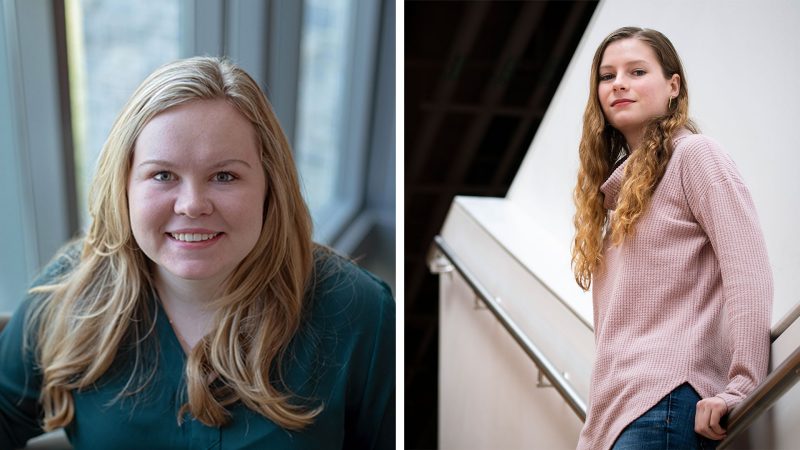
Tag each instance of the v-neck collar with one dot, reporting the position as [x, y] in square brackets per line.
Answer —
[165, 331]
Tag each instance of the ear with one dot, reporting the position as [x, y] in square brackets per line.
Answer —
[674, 85]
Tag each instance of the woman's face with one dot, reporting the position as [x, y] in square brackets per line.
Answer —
[631, 86]
[196, 190]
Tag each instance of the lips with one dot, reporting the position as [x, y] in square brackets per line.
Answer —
[623, 101]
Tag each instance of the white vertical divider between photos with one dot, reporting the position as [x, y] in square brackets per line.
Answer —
[35, 187]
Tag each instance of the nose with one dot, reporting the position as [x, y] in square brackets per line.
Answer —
[620, 84]
[193, 201]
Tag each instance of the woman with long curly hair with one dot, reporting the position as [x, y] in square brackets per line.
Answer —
[197, 312]
[668, 239]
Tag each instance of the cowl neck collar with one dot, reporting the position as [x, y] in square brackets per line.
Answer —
[612, 185]
[610, 188]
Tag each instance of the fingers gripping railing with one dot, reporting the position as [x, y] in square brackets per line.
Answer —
[777, 383]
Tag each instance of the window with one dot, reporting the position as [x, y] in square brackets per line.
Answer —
[321, 119]
[316, 59]
[112, 46]
[337, 58]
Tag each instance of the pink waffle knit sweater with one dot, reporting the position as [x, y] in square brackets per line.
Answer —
[686, 298]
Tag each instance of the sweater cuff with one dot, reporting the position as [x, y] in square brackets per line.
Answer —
[731, 400]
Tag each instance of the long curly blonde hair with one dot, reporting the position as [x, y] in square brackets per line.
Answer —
[601, 145]
[103, 305]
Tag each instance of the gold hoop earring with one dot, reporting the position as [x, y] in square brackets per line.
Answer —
[669, 105]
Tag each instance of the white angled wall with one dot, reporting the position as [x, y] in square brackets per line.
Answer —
[742, 61]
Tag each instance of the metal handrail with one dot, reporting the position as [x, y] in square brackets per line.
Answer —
[780, 380]
[766, 394]
[564, 388]
[785, 322]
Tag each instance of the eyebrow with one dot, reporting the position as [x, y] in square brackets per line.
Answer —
[629, 63]
[223, 163]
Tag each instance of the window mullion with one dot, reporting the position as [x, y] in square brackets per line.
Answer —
[36, 187]
[202, 27]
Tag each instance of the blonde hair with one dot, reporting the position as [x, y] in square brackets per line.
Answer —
[105, 301]
[601, 145]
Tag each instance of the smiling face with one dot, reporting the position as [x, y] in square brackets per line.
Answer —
[631, 87]
[196, 191]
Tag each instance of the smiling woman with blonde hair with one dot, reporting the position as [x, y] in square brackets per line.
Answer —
[197, 311]
[667, 237]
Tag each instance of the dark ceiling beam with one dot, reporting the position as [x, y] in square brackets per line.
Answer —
[445, 87]
[456, 189]
[519, 38]
[477, 108]
[535, 103]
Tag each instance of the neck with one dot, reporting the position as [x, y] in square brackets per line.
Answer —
[188, 304]
[197, 294]
[633, 139]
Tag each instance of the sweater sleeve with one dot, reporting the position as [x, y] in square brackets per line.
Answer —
[723, 206]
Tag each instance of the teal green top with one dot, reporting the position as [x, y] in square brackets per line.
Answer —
[342, 357]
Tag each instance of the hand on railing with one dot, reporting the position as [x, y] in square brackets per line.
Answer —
[766, 394]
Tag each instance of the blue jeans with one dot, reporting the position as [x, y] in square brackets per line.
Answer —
[667, 425]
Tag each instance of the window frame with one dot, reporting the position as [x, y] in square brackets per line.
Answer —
[39, 160]
[350, 196]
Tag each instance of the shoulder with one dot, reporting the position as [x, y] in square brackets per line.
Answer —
[54, 272]
[349, 318]
[340, 288]
[63, 262]
[703, 162]
[23, 320]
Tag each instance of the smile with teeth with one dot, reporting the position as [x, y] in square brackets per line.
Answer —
[193, 237]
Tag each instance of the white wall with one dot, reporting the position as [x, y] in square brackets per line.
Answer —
[742, 61]
[488, 391]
